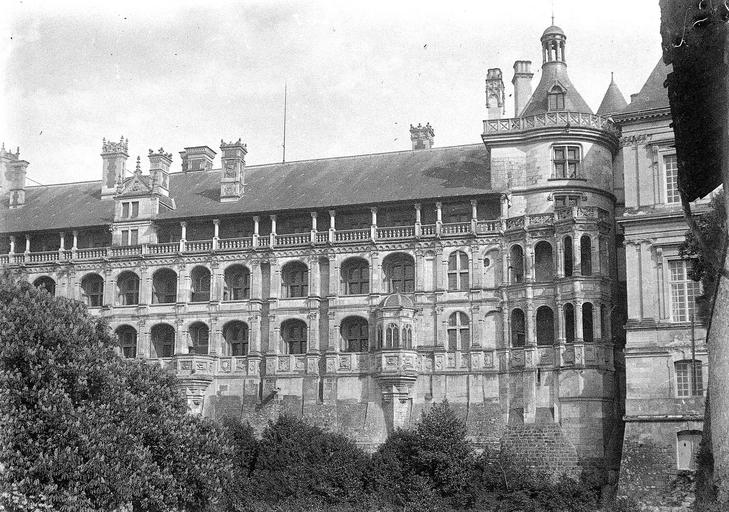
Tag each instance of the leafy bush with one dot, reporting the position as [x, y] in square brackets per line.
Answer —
[82, 429]
[301, 460]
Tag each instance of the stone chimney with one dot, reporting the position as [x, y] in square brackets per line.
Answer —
[232, 178]
[495, 107]
[12, 176]
[159, 171]
[421, 136]
[522, 82]
[197, 158]
[114, 156]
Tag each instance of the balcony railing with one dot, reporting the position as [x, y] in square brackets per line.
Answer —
[549, 120]
[389, 233]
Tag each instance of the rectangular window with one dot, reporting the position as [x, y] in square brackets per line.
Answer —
[670, 166]
[689, 379]
[555, 101]
[561, 201]
[125, 237]
[566, 161]
[125, 210]
[135, 209]
[683, 291]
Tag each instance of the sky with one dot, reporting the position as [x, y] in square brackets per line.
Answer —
[192, 72]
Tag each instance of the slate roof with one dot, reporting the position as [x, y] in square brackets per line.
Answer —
[308, 184]
[653, 96]
[555, 73]
[613, 101]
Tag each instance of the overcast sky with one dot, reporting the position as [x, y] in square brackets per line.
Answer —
[191, 72]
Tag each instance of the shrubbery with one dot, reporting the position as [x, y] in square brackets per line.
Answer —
[83, 429]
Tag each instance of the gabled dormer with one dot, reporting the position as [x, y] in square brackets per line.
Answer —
[138, 200]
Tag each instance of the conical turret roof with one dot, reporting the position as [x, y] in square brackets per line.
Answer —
[613, 101]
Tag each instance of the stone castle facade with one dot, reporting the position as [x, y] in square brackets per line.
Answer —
[357, 291]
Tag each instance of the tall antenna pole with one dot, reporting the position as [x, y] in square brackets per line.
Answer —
[284, 127]
[552, 12]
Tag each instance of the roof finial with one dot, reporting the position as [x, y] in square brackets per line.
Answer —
[612, 77]
[138, 170]
[553, 12]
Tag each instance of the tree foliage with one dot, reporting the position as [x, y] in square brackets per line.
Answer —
[82, 429]
[708, 250]
[302, 460]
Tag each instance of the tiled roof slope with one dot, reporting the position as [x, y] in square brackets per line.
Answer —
[308, 184]
[555, 73]
[653, 96]
[613, 101]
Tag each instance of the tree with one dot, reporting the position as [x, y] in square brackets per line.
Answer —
[303, 461]
[435, 458]
[695, 40]
[83, 429]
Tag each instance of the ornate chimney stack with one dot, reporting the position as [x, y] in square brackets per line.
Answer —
[114, 156]
[232, 178]
[495, 107]
[12, 179]
[197, 158]
[421, 136]
[522, 82]
[159, 171]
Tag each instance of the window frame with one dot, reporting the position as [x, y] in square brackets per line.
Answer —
[165, 342]
[671, 193]
[566, 161]
[689, 383]
[399, 273]
[362, 283]
[242, 340]
[89, 296]
[127, 348]
[236, 283]
[126, 296]
[355, 342]
[457, 269]
[195, 339]
[301, 343]
[456, 328]
[295, 280]
[686, 288]
[198, 293]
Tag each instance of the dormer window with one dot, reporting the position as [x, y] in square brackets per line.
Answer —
[555, 99]
[566, 161]
[130, 209]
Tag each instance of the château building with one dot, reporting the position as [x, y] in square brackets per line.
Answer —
[357, 291]
[665, 352]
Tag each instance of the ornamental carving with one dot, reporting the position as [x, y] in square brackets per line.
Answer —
[631, 140]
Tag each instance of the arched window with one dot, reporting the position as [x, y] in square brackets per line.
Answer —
[46, 283]
[356, 334]
[92, 290]
[604, 319]
[200, 281]
[379, 336]
[294, 280]
[355, 277]
[518, 328]
[545, 326]
[236, 338]
[164, 286]
[163, 340]
[127, 340]
[585, 255]
[407, 337]
[543, 262]
[237, 283]
[569, 323]
[689, 378]
[393, 336]
[587, 323]
[517, 264]
[458, 271]
[294, 334]
[199, 338]
[127, 289]
[459, 331]
[555, 99]
[399, 272]
[568, 260]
